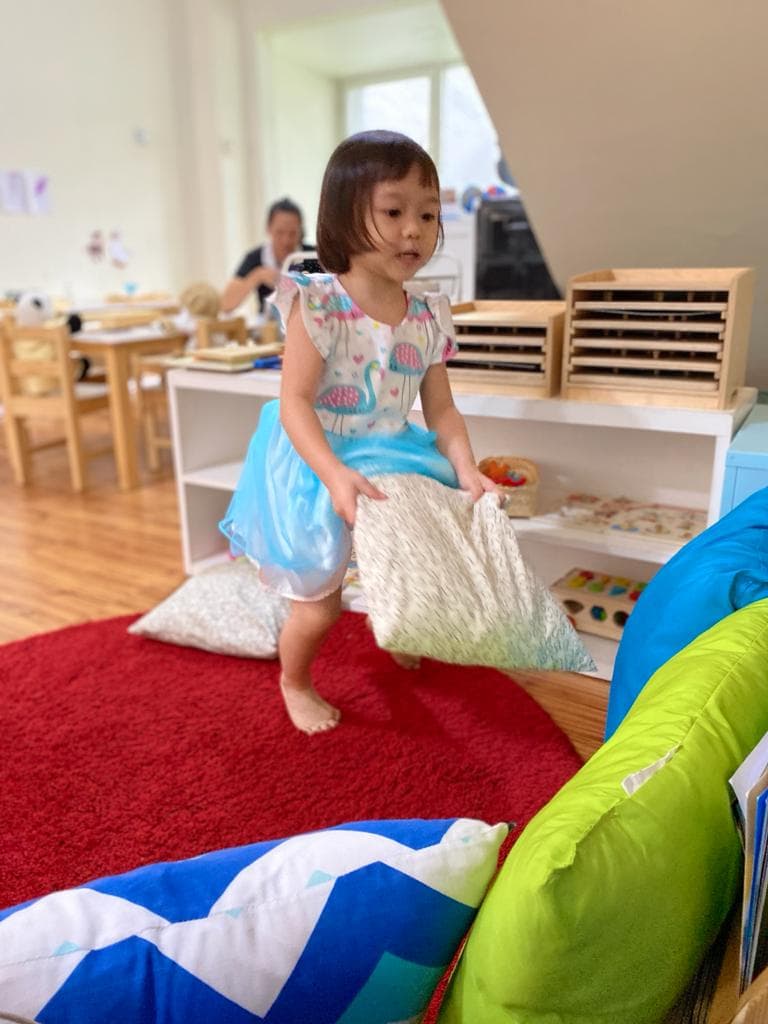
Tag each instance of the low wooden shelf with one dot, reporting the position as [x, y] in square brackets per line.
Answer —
[676, 456]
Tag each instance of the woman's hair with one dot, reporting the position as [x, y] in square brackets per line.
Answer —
[285, 205]
[356, 165]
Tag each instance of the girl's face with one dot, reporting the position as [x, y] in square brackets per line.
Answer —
[403, 221]
[285, 231]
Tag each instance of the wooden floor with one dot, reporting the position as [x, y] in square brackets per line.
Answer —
[67, 558]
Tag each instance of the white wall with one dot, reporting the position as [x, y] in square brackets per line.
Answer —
[211, 99]
[224, 137]
[300, 131]
[230, 86]
[183, 201]
[77, 79]
[636, 131]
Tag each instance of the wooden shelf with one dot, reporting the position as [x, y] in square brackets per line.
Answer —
[223, 476]
[669, 454]
[546, 527]
[613, 542]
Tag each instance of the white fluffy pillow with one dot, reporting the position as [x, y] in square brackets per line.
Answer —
[444, 578]
[225, 609]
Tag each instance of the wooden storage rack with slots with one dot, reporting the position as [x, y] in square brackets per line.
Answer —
[508, 347]
[658, 337]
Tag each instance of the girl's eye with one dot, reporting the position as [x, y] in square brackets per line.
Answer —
[428, 216]
[393, 213]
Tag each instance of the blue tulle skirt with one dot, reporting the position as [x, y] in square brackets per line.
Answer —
[281, 515]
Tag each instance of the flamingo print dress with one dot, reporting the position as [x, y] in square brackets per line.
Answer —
[281, 515]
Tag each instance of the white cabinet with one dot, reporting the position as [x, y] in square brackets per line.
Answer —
[673, 456]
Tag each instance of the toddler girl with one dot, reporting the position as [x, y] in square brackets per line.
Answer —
[359, 348]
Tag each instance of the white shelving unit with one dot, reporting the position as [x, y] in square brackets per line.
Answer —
[669, 455]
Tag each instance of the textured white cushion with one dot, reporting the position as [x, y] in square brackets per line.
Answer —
[444, 578]
[225, 609]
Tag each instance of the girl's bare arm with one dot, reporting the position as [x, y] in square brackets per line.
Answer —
[302, 370]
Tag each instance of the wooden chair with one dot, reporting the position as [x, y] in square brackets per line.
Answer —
[300, 259]
[162, 303]
[149, 372]
[151, 403]
[36, 383]
[211, 331]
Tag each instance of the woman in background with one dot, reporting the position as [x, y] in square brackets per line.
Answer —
[260, 268]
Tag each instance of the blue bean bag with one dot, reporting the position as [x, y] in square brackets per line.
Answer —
[718, 572]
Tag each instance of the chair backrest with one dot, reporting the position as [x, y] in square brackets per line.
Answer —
[139, 297]
[35, 362]
[212, 331]
[443, 273]
[296, 260]
[156, 303]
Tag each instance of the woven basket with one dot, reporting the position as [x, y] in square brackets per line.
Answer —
[518, 499]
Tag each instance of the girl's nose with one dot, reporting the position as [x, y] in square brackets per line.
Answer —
[412, 227]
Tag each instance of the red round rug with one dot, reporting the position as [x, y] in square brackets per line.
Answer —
[120, 750]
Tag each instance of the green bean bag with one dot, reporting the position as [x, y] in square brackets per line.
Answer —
[612, 894]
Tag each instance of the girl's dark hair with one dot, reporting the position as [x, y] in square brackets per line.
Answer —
[285, 206]
[356, 165]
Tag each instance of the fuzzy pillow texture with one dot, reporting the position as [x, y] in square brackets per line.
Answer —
[350, 925]
[444, 578]
[225, 609]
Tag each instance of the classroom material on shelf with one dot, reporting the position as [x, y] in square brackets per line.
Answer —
[231, 358]
[641, 519]
[671, 337]
[510, 347]
[518, 480]
[232, 354]
[749, 785]
[596, 602]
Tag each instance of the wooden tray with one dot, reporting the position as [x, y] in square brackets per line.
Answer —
[596, 602]
[233, 354]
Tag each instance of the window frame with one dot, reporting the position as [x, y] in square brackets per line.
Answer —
[434, 72]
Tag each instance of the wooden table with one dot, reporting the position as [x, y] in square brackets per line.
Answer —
[116, 349]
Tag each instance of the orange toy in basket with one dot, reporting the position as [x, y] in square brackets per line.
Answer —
[517, 479]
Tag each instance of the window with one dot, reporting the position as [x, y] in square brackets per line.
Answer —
[442, 110]
[400, 104]
[469, 149]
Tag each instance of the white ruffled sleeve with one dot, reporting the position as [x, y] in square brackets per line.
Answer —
[313, 291]
[443, 345]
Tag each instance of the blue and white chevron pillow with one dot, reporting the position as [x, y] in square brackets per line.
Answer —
[353, 924]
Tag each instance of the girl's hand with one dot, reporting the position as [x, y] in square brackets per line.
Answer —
[472, 480]
[345, 487]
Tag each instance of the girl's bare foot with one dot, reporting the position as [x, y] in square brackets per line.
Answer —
[409, 661]
[307, 709]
